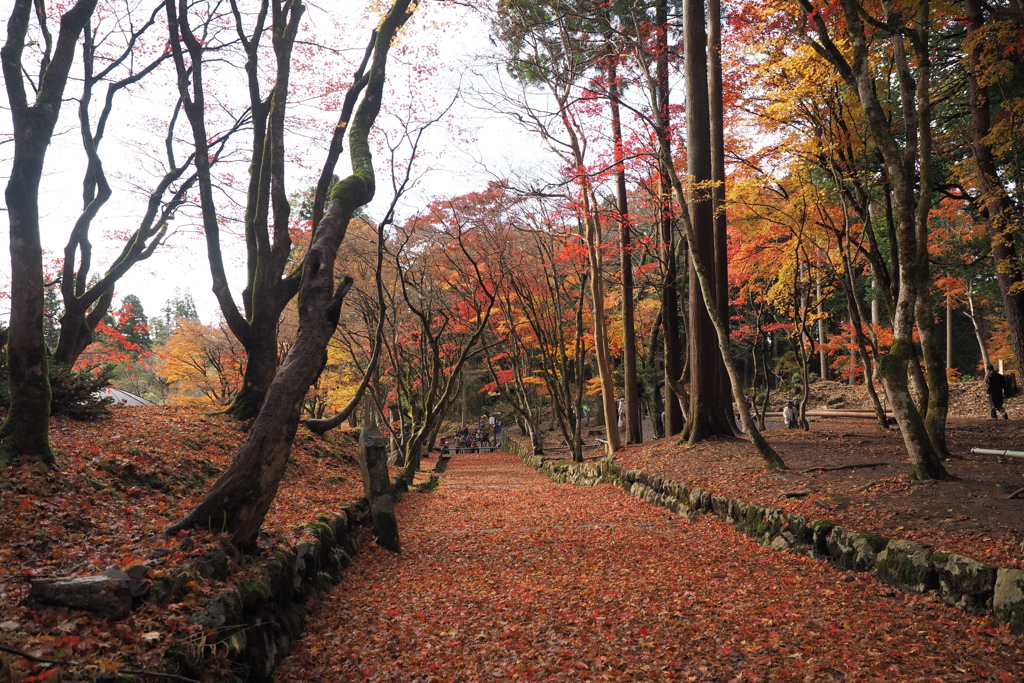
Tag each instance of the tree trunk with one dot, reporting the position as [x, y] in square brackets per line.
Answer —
[631, 385]
[994, 197]
[902, 155]
[260, 367]
[709, 410]
[976, 326]
[822, 355]
[239, 500]
[674, 421]
[604, 364]
[25, 431]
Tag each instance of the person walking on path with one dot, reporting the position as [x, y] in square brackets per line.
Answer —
[789, 415]
[995, 387]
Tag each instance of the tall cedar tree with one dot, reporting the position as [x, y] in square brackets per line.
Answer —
[710, 412]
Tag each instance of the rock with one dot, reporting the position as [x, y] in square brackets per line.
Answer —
[907, 565]
[1008, 599]
[854, 551]
[965, 582]
[137, 584]
[800, 527]
[820, 532]
[753, 522]
[783, 541]
[108, 594]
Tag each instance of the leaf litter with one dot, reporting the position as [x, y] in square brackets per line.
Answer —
[121, 482]
[537, 581]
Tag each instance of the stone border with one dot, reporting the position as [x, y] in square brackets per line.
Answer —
[973, 586]
[252, 625]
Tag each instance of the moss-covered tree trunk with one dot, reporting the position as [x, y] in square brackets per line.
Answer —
[25, 432]
[903, 154]
[239, 500]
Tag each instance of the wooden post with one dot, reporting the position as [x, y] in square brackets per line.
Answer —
[373, 463]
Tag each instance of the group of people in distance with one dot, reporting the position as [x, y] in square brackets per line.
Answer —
[478, 439]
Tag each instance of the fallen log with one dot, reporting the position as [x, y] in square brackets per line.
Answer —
[854, 466]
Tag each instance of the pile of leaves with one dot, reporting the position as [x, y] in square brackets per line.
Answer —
[121, 482]
[505, 575]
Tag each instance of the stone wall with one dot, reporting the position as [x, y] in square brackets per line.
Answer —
[961, 581]
[250, 627]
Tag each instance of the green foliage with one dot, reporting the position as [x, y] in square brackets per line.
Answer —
[75, 393]
[178, 307]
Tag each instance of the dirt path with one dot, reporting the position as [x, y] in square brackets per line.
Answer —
[507, 576]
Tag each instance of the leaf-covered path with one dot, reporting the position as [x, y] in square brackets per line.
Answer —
[507, 576]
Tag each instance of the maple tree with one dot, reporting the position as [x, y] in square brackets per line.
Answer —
[922, 427]
[540, 331]
[447, 263]
[272, 279]
[201, 363]
[991, 56]
[548, 47]
[124, 54]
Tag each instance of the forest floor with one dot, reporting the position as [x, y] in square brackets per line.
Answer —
[971, 514]
[507, 576]
[123, 480]
[120, 483]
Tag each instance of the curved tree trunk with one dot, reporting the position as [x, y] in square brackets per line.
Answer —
[240, 499]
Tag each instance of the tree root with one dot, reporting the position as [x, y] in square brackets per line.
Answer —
[846, 467]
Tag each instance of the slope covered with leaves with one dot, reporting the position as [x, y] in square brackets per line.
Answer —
[121, 483]
[507, 576]
[852, 472]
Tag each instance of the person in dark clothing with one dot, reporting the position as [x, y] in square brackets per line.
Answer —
[995, 387]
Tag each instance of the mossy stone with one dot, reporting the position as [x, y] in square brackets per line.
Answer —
[1008, 599]
[907, 565]
[965, 582]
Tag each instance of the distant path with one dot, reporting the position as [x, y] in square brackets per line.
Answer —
[507, 576]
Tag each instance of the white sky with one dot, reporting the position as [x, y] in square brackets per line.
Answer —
[455, 160]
